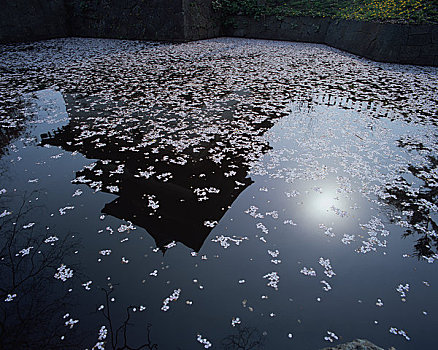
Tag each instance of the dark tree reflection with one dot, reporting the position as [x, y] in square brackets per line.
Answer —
[115, 334]
[246, 338]
[32, 304]
[11, 127]
[418, 206]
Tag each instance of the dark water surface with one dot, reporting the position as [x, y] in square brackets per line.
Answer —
[224, 194]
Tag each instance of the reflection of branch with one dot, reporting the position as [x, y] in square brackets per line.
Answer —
[418, 203]
[31, 310]
[247, 338]
[12, 132]
[122, 329]
[27, 266]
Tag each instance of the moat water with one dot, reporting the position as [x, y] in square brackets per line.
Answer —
[224, 194]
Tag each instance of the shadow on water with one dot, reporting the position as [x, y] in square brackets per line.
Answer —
[177, 196]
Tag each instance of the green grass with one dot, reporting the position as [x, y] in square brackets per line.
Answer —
[394, 11]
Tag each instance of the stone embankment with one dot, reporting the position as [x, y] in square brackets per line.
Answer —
[162, 20]
[185, 20]
[31, 20]
[384, 42]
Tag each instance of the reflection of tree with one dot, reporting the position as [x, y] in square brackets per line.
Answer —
[118, 337]
[31, 309]
[11, 127]
[417, 206]
[247, 338]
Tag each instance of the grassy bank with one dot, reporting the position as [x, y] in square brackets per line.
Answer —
[394, 11]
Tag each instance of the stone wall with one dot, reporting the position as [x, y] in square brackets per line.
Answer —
[127, 19]
[385, 42]
[166, 20]
[185, 20]
[200, 20]
[30, 20]
[306, 29]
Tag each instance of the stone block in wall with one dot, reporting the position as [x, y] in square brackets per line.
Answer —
[352, 36]
[419, 39]
[390, 38]
[428, 50]
[201, 21]
[434, 34]
[30, 20]
[422, 60]
[422, 55]
[127, 19]
[306, 29]
[419, 29]
[356, 37]
[408, 54]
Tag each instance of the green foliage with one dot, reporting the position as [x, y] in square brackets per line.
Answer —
[398, 11]
[401, 11]
[241, 7]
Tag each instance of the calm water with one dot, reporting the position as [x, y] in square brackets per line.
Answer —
[224, 194]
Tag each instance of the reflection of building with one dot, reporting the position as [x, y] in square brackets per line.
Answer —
[181, 215]
[40, 109]
[175, 194]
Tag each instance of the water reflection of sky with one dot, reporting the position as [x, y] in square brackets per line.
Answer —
[287, 216]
